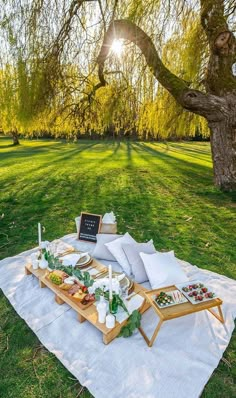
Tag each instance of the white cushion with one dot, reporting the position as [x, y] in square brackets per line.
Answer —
[115, 247]
[100, 250]
[136, 263]
[163, 269]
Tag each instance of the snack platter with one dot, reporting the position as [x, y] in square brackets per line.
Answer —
[196, 292]
[71, 287]
[168, 299]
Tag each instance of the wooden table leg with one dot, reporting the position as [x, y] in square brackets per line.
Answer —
[59, 300]
[27, 271]
[107, 338]
[220, 317]
[81, 318]
[151, 341]
[41, 284]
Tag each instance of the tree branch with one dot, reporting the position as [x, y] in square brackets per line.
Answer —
[125, 29]
[207, 105]
[66, 27]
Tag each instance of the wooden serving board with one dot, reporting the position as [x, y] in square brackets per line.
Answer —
[62, 294]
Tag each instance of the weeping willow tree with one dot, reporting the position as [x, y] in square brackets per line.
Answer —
[174, 76]
[56, 43]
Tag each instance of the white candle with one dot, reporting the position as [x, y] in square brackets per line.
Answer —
[39, 234]
[110, 321]
[110, 282]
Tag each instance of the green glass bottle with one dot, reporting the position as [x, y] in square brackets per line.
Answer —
[113, 305]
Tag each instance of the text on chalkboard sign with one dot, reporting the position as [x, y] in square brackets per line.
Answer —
[89, 227]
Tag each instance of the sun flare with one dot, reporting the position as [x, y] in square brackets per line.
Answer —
[117, 47]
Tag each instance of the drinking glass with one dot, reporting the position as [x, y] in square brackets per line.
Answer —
[34, 260]
[125, 289]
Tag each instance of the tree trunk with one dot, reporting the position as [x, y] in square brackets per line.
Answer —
[220, 113]
[15, 138]
[223, 148]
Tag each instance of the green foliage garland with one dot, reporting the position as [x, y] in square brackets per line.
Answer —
[54, 263]
[134, 319]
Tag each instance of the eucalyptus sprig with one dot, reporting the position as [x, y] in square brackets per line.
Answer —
[84, 276]
[133, 323]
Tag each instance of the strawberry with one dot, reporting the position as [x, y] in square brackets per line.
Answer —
[200, 298]
[195, 293]
[204, 289]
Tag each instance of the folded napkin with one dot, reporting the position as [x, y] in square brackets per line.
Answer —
[92, 272]
[58, 247]
[109, 218]
[133, 304]
[120, 277]
[72, 258]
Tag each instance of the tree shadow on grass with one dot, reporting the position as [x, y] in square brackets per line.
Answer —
[129, 152]
[201, 176]
[175, 148]
[137, 197]
[187, 146]
[48, 162]
[9, 146]
[184, 167]
[25, 151]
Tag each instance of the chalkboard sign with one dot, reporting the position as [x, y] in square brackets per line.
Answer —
[89, 227]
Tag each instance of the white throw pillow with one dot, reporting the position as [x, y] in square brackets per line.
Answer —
[115, 247]
[136, 263]
[100, 250]
[163, 269]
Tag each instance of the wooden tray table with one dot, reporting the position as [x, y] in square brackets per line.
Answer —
[178, 310]
[89, 312]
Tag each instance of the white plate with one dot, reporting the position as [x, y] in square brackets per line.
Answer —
[173, 294]
[83, 260]
[191, 299]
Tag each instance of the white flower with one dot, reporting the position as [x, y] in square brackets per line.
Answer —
[103, 284]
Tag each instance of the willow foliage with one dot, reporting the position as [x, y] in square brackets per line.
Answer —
[48, 67]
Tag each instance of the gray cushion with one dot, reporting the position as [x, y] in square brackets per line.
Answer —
[136, 263]
[100, 250]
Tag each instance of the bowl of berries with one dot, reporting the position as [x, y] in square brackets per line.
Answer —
[196, 292]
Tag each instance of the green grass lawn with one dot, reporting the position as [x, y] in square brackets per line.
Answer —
[158, 191]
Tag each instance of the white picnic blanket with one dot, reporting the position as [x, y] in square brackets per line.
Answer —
[182, 359]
